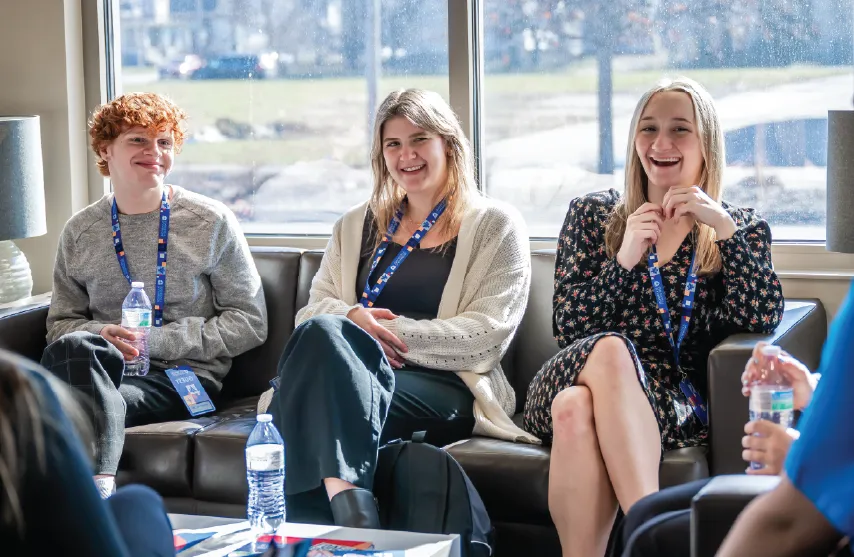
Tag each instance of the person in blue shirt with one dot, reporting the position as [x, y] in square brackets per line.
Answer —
[812, 509]
[660, 524]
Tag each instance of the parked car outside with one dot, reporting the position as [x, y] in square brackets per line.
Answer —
[182, 67]
[235, 66]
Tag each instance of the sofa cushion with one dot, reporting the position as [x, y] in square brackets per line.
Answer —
[24, 331]
[162, 455]
[251, 372]
[219, 469]
[534, 343]
[513, 478]
[309, 265]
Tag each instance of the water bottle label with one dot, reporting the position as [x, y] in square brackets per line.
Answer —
[782, 401]
[136, 318]
[264, 458]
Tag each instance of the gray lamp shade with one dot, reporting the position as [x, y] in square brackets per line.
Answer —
[22, 213]
[840, 181]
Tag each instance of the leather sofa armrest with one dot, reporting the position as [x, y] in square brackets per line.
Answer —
[715, 508]
[23, 328]
[801, 333]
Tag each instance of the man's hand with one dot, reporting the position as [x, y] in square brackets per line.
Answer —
[366, 318]
[117, 335]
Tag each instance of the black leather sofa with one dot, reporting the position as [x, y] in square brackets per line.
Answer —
[715, 508]
[197, 465]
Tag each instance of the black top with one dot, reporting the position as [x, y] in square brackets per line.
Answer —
[415, 289]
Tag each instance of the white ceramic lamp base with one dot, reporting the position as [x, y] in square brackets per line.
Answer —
[16, 279]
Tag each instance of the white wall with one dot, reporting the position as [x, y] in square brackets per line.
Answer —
[41, 68]
[830, 291]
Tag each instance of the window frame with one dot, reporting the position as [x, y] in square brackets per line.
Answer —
[102, 40]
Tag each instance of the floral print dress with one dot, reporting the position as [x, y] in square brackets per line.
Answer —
[595, 297]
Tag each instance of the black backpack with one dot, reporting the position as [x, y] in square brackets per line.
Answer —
[421, 488]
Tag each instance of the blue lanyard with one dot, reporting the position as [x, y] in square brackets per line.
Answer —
[370, 295]
[685, 385]
[661, 300]
[163, 235]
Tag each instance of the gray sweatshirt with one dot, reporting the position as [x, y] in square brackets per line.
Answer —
[214, 301]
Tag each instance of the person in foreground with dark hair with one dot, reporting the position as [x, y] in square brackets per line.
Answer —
[48, 502]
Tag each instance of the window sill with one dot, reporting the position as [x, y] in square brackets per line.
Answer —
[814, 275]
[791, 260]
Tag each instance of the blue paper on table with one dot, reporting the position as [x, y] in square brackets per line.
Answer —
[190, 390]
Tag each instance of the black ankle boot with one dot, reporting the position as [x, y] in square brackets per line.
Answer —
[355, 508]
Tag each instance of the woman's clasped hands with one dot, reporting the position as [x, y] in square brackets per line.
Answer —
[644, 226]
[366, 318]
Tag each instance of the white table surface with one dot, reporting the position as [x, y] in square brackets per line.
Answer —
[424, 545]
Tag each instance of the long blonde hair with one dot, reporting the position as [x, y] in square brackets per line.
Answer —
[429, 111]
[712, 145]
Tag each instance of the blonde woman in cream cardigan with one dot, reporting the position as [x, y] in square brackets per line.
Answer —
[418, 296]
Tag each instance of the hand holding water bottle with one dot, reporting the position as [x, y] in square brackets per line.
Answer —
[770, 391]
[799, 377]
[117, 336]
[766, 443]
[136, 320]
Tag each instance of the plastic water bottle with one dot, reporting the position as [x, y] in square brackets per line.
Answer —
[136, 318]
[771, 395]
[265, 472]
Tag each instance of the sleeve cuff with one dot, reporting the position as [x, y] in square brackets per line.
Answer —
[343, 310]
[395, 326]
[340, 309]
[736, 239]
[391, 325]
[731, 246]
[93, 327]
[614, 268]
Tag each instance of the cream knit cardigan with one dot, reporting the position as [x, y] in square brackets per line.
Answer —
[482, 305]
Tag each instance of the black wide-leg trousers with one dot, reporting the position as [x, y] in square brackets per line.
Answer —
[339, 400]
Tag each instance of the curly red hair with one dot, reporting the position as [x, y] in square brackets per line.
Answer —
[154, 112]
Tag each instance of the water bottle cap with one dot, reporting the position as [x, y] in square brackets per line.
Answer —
[137, 284]
[264, 418]
[771, 350]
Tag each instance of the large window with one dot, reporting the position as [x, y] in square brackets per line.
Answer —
[555, 68]
[279, 94]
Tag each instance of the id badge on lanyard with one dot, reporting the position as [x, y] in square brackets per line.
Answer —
[162, 245]
[685, 385]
